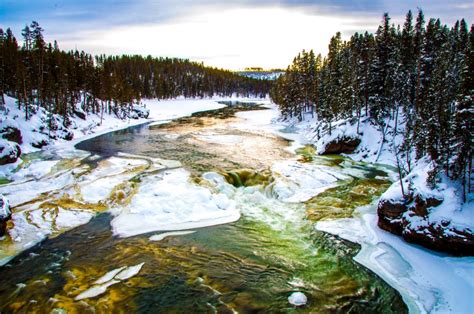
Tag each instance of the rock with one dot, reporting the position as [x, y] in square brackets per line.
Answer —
[396, 217]
[5, 214]
[341, 145]
[442, 239]
[140, 112]
[67, 135]
[39, 144]
[9, 152]
[389, 213]
[297, 299]
[12, 134]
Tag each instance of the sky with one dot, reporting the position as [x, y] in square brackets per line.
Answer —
[232, 34]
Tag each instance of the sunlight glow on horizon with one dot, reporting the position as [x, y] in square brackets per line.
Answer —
[230, 38]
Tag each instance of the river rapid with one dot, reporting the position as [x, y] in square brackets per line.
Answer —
[209, 213]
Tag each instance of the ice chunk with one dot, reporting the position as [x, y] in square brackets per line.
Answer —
[161, 236]
[297, 299]
[129, 272]
[168, 201]
[96, 290]
[111, 278]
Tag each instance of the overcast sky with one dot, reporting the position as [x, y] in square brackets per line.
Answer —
[231, 34]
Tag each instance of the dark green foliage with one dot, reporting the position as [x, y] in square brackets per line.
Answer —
[422, 73]
[41, 75]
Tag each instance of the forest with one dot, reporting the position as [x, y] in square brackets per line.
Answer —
[419, 75]
[40, 74]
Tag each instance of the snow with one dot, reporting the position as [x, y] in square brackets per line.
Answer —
[168, 201]
[428, 282]
[7, 148]
[35, 170]
[111, 278]
[297, 299]
[4, 207]
[36, 180]
[452, 209]
[298, 182]
[68, 219]
[24, 191]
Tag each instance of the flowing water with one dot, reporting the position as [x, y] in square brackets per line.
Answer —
[250, 265]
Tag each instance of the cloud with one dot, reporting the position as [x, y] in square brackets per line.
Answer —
[232, 33]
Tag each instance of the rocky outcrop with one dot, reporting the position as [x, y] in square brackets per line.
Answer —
[410, 220]
[9, 152]
[12, 134]
[339, 145]
[5, 214]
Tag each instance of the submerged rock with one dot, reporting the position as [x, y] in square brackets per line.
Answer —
[5, 214]
[410, 219]
[297, 299]
[247, 177]
[339, 145]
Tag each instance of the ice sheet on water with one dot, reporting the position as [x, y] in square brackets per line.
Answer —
[161, 236]
[168, 201]
[298, 182]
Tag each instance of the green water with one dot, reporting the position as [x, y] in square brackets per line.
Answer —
[249, 266]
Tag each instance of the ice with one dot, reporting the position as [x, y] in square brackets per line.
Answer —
[428, 282]
[22, 192]
[168, 201]
[35, 170]
[111, 278]
[67, 219]
[129, 272]
[297, 299]
[96, 290]
[298, 182]
[161, 236]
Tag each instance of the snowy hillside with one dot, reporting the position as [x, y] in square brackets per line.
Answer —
[43, 129]
[435, 217]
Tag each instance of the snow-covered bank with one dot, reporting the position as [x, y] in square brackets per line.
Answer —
[429, 282]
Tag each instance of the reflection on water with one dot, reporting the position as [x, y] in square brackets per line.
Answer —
[248, 266]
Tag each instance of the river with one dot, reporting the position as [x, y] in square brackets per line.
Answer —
[247, 201]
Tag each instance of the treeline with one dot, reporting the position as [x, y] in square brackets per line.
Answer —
[39, 74]
[420, 73]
